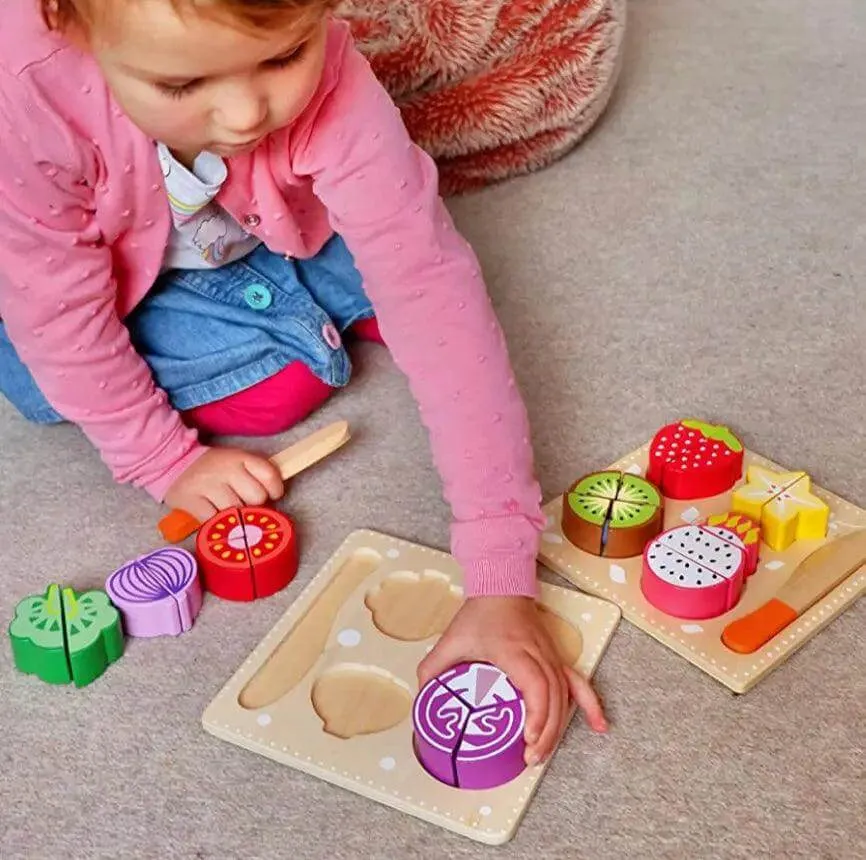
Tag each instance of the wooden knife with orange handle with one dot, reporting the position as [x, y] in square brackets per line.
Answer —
[179, 525]
[814, 577]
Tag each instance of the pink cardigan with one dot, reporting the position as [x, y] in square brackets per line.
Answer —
[83, 226]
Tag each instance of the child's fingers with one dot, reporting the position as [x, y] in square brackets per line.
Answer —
[267, 474]
[586, 699]
[556, 704]
[525, 673]
[441, 658]
[223, 496]
[249, 488]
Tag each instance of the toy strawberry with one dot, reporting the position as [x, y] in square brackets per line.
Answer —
[694, 460]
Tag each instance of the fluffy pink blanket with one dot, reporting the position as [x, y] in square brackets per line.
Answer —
[493, 88]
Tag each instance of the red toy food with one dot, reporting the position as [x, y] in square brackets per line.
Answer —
[247, 553]
[694, 460]
[700, 571]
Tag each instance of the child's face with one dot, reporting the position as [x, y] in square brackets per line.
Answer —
[197, 83]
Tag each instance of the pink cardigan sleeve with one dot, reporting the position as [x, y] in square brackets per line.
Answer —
[58, 298]
[435, 314]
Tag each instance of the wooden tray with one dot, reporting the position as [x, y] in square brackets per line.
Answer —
[700, 642]
[340, 658]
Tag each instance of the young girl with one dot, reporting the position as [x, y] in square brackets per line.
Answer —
[196, 201]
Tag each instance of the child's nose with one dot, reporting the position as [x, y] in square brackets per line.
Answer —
[242, 110]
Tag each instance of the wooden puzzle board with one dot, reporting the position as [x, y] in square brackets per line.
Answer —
[700, 642]
[342, 644]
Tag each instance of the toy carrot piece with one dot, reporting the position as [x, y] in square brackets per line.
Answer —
[178, 525]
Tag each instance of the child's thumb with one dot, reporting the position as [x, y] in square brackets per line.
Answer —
[439, 660]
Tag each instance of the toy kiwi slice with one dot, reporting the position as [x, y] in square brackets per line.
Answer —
[612, 514]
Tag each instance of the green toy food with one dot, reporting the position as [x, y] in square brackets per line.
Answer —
[62, 636]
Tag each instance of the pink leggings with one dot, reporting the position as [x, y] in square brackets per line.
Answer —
[274, 404]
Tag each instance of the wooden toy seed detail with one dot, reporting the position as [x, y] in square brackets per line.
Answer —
[64, 636]
[700, 640]
[330, 689]
[247, 553]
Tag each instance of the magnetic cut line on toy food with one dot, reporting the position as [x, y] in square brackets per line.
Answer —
[612, 514]
[158, 593]
[784, 505]
[697, 572]
[813, 578]
[469, 727]
[62, 636]
[296, 655]
[247, 553]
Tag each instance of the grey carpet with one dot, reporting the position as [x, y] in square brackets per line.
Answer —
[703, 252]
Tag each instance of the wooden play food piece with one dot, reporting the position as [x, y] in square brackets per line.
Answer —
[94, 636]
[247, 553]
[157, 594]
[818, 574]
[692, 459]
[694, 572]
[740, 530]
[300, 649]
[178, 524]
[38, 641]
[784, 505]
[612, 514]
[62, 636]
[469, 724]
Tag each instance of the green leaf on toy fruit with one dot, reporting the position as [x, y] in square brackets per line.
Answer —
[93, 633]
[38, 638]
[718, 432]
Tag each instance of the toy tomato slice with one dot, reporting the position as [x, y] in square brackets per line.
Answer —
[273, 548]
[246, 553]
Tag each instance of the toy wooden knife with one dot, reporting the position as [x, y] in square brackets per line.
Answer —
[179, 525]
[815, 576]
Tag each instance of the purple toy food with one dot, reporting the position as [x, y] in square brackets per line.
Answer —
[469, 725]
[157, 594]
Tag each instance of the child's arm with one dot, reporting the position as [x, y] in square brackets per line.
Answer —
[426, 285]
[435, 315]
[58, 301]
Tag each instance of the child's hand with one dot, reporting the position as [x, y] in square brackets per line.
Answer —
[223, 477]
[508, 632]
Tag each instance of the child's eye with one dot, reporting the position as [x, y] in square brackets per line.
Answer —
[177, 91]
[286, 59]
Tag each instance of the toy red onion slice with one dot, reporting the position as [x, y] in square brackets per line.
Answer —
[158, 593]
[469, 724]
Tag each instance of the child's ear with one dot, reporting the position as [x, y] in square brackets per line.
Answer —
[73, 31]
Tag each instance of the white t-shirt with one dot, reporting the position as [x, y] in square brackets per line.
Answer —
[204, 235]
